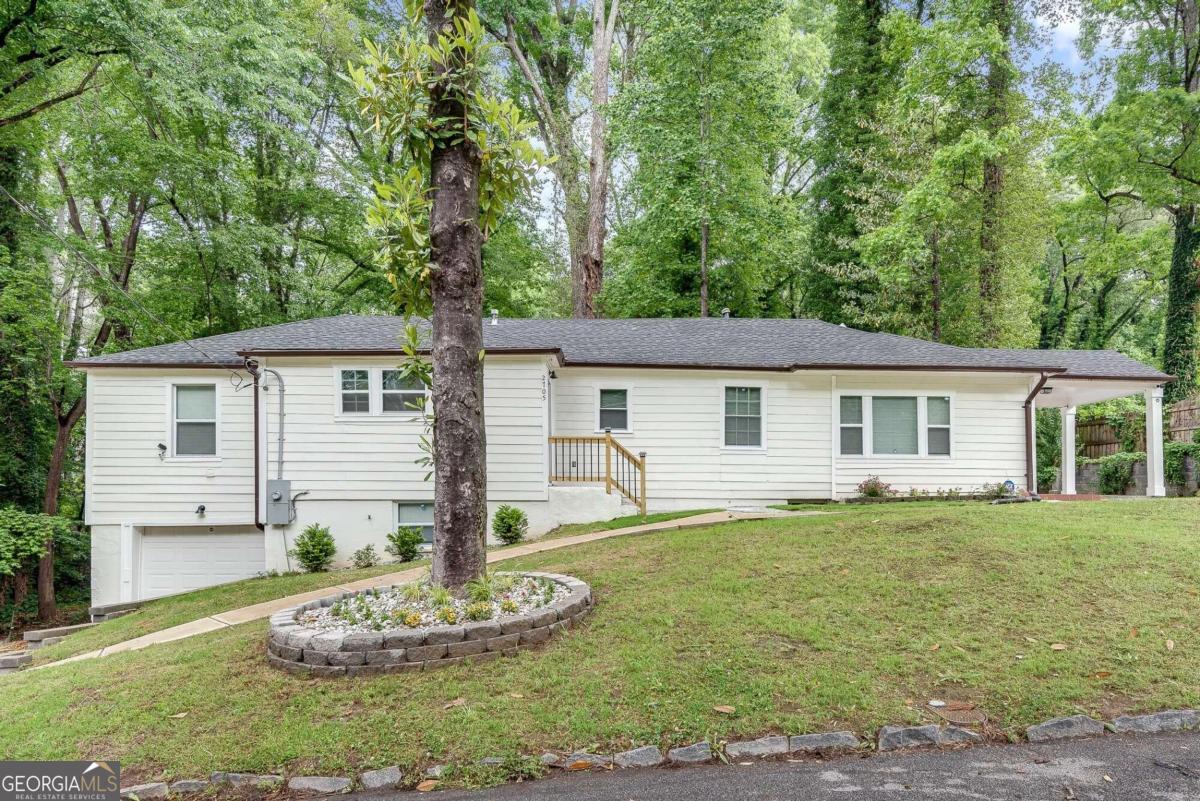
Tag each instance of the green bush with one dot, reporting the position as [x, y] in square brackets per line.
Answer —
[23, 537]
[1116, 471]
[1046, 478]
[1174, 461]
[314, 548]
[404, 543]
[510, 524]
[365, 557]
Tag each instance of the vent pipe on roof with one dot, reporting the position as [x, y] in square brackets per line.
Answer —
[495, 316]
[725, 312]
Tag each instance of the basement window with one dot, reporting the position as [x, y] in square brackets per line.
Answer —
[418, 516]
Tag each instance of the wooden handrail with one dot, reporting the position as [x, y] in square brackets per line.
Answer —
[576, 459]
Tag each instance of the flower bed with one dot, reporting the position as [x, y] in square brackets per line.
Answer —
[419, 605]
[415, 627]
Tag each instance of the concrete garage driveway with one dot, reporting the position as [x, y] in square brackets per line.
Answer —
[1160, 767]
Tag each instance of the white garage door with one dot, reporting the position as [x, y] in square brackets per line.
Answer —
[178, 559]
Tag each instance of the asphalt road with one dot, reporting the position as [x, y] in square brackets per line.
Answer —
[1164, 767]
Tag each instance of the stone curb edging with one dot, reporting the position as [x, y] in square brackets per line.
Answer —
[889, 738]
[298, 649]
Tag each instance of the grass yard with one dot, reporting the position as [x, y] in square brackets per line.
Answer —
[841, 621]
[571, 529]
[173, 610]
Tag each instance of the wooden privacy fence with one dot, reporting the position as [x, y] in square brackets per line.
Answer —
[1098, 438]
[599, 460]
[1185, 420]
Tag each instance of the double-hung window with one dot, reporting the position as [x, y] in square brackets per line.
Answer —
[356, 391]
[613, 410]
[195, 425]
[402, 393]
[894, 425]
[852, 425]
[743, 417]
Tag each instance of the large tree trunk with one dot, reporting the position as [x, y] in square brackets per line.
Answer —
[592, 268]
[460, 469]
[1183, 294]
[65, 425]
[995, 117]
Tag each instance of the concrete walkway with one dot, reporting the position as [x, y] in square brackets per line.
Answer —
[259, 611]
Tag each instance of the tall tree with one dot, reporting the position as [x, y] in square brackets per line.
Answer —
[467, 159]
[1146, 143]
[859, 77]
[550, 48]
[703, 118]
[1000, 71]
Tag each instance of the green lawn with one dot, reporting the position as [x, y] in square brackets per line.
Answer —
[173, 610]
[167, 612]
[571, 529]
[807, 624]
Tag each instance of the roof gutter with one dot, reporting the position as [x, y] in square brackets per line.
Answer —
[1031, 436]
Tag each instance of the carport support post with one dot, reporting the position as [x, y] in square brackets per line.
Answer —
[1067, 472]
[1156, 485]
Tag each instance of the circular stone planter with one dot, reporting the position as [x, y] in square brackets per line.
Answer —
[297, 648]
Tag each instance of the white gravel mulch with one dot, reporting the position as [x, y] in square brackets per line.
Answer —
[396, 609]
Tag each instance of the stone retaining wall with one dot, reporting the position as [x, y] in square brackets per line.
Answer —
[297, 648]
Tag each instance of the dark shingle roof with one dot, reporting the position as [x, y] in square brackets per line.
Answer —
[761, 344]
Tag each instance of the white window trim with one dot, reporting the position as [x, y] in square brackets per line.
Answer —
[411, 502]
[762, 413]
[628, 429]
[922, 396]
[374, 395]
[170, 438]
[338, 392]
[404, 414]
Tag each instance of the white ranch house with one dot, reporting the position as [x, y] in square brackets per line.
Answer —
[200, 472]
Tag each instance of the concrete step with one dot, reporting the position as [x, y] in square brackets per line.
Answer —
[11, 663]
[39, 637]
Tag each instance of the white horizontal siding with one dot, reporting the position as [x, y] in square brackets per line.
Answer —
[987, 436]
[129, 414]
[676, 418]
[337, 457]
[677, 421]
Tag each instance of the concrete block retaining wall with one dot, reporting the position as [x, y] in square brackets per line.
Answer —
[1087, 479]
[299, 649]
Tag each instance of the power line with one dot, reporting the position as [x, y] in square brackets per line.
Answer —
[50, 229]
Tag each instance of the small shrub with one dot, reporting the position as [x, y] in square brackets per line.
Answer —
[413, 592]
[366, 557]
[412, 619]
[314, 548]
[510, 524]
[482, 589]
[478, 611]
[1175, 455]
[440, 596]
[508, 606]
[404, 543]
[447, 615]
[1047, 476]
[997, 490]
[875, 487]
[1115, 471]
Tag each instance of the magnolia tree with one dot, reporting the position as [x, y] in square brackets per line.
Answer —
[463, 155]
